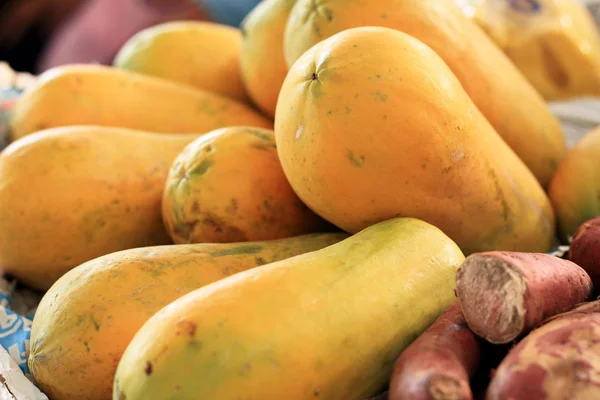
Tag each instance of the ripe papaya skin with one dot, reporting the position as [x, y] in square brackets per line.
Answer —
[107, 96]
[505, 97]
[72, 194]
[363, 140]
[262, 62]
[284, 330]
[86, 320]
[575, 186]
[228, 186]
[200, 54]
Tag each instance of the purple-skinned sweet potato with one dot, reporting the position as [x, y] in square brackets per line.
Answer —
[585, 249]
[560, 360]
[439, 364]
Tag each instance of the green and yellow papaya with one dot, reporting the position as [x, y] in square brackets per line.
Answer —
[327, 324]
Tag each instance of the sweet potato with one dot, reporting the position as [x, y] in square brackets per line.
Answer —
[585, 249]
[439, 364]
[560, 360]
[504, 295]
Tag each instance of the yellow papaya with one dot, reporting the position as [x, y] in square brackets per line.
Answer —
[262, 62]
[107, 96]
[554, 43]
[85, 321]
[327, 324]
[372, 124]
[228, 186]
[201, 54]
[575, 186]
[72, 194]
[504, 96]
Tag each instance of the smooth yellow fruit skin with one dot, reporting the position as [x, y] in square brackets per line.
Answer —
[85, 321]
[68, 195]
[107, 96]
[262, 62]
[504, 96]
[201, 54]
[327, 324]
[372, 124]
[575, 186]
[228, 186]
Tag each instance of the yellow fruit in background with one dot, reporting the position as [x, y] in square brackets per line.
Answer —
[86, 320]
[575, 186]
[72, 194]
[228, 186]
[201, 54]
[504, 96]
[554, 43]
[262, 62]
[107, 96]
[327, 324]
[372, 124]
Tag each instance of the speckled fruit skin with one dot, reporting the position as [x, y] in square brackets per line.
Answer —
[327, 324]
[372, 124]
[503, 95]
[228, 186]
[71, 194]
[86, 320]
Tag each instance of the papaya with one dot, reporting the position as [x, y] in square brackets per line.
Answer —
[72, 194]
[85, 321]
[554, 43]
[107, 96]
[575, 187]
[506, 98]
[204, 55]
[262, 62]
[228, 186]
[327, 324]
[372, 124]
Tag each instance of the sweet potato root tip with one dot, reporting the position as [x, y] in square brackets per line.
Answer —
[504, 295]
[491, 294]
[439, 364]
[448, 388]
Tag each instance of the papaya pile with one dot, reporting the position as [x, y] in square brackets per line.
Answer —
[334, 200]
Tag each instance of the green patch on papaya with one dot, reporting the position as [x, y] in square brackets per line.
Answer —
[502, 198]
[95, 323]
[357, 162]
[242, 249]
[264, 135]
[202, 168]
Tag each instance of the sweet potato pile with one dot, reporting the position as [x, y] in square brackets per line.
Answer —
[524, 327]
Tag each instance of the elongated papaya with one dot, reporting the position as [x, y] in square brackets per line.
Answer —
[201, 54]
[100, 95]
[85, 321]
[262, 62]
[364, 136]
[72, 194]
[575, 186]
[327, 324]
[504, 96]
[228, 186]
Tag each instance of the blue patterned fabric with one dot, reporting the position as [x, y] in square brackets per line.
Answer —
[15, 331]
